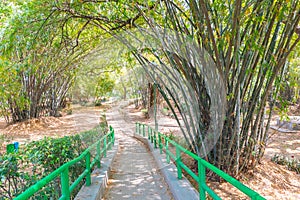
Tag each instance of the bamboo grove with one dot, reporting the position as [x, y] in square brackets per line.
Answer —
[249, 43]
[218, 62]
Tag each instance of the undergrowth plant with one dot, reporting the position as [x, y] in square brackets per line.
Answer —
[37, 159]
[291, 163]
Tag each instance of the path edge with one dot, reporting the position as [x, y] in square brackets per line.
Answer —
[180, 189]
[99, 177]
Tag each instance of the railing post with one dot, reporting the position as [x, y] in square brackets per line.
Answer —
[136, 127]
[167, 148]
[108, 141]
[64, 178]
[111, 140]
[159, 143]
[98, 155]
[105, 146]
[202, 180]
[155, 140]
[113, 136]
[151, 136]
[144, 130]
[111, 128]
[178, 163]
[149, 129]
[88, 168]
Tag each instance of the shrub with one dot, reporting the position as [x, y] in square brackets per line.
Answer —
[11, 175]
[37, 159]
[291, 163]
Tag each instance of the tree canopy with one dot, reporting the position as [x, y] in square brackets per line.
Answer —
[243, 44]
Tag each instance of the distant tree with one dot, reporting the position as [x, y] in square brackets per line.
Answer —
[291, 80]
[105, 85]
[36, 68]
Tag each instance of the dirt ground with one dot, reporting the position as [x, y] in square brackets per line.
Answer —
[82, 118]
[270, 180]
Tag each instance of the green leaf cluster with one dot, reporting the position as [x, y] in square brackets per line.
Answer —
[37, 159]
[38, 60]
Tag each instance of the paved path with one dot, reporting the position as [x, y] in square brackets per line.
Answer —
[134, 171]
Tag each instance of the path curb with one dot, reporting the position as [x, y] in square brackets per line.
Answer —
[180, 189]
[99, 178]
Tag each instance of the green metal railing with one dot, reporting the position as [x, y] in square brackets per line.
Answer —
[105, 143]
[162, 142]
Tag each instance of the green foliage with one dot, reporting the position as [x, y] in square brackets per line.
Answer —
[248, 43]
[11, 175]
[51, 153]
[293, 75]
[178, 139]
[41, 59]
[283, 109]
[4, 138]
[133, 82]
[42, 43]
[10, 81]
[37, 159]
[49, 46]
[171, 135]
[96, 76]
[105, 84]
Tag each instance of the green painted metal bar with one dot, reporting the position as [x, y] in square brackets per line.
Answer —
[88, 180]
[170, 154]
[109, 145]
[102, 152]
[151, 137]
[93, 163]
[202, 180]
[63, 173]
[246, 190]
[178, 162]
[202, 166]
[149, 130]
[189, 171]
[140, 131]
[112, 132]
[167, 148]
[62, 198]
[144, 131]
[40, 184]
[78, 180]
[98, 157]
[194, 156]
[65, 183]
[105, 146]
[160, 144]
[155, 140]
[108, 142]
[210, 192]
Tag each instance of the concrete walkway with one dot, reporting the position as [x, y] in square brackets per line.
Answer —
[134, 171]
